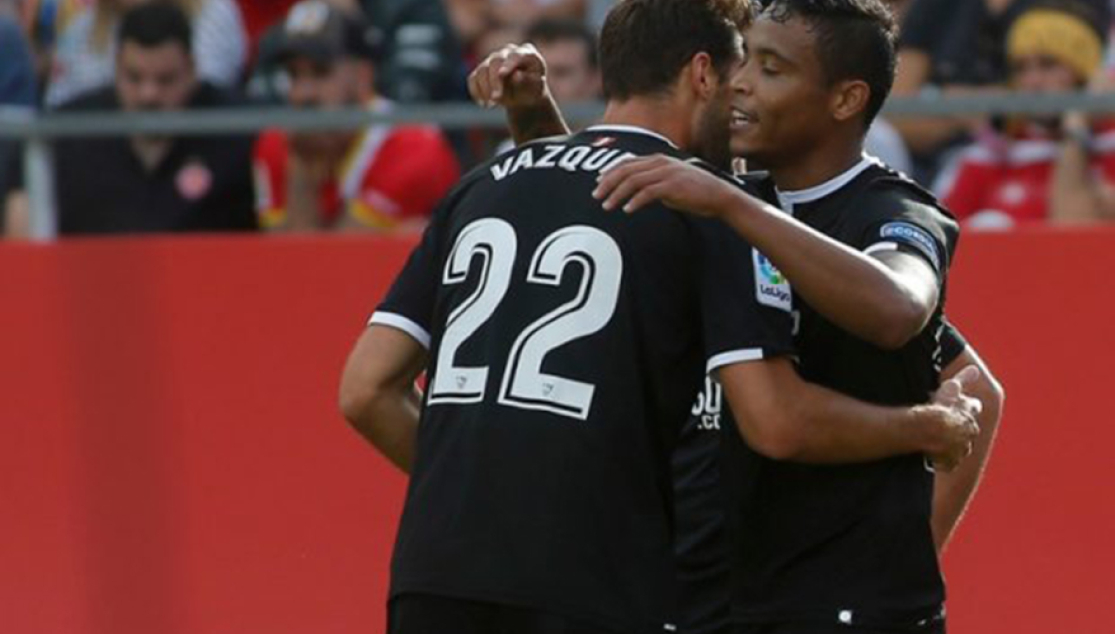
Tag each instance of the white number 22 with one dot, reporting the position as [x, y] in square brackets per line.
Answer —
[524, 385]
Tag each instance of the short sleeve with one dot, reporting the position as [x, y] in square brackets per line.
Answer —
[903, 223]
[953, 343]
[746, 303]
[409, 304]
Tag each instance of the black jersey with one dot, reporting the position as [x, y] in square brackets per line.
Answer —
[566, 347]
[847, 544]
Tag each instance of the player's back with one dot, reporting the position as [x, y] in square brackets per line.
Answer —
[565, 352]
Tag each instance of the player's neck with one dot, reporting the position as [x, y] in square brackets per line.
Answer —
[813, 168]
[650, 115]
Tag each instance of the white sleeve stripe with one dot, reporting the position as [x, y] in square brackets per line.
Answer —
[732, 357]
[881, 246]
[405, 324]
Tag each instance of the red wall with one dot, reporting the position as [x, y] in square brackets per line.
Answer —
[171, 459]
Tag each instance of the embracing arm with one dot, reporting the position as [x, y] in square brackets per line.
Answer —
[885, 299]
[378, 396]
[952, 491]
[515, 77]
[785, 418]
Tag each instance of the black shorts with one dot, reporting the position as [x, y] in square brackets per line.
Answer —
[937, 627]
[428, 614]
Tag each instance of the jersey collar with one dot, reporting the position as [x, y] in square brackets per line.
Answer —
[830, 186]
[632, 129]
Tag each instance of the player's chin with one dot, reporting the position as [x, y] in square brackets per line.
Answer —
[742, 146]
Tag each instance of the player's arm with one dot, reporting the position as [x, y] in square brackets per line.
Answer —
[786, 418]
[886, 299]
[378, 396]
[377, 393]
[953, 491]
[515, 77]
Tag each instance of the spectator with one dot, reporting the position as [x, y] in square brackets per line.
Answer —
[17, 88]
[569, 48]
[154, 183]
[83, 55]
[421, 54]
[386, 177]
[956, 47]
[1035, 169]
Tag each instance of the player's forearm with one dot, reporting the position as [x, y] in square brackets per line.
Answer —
[785, 418]
[953, 491]
[536, 122]
[834, 429]
[853, 290]
[389, 421]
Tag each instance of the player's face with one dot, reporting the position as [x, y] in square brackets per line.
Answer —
[781, 99]
[713, 117]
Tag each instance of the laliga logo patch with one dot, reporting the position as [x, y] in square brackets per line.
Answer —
[771, 287]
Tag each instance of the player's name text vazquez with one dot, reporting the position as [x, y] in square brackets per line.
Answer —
[571, 158]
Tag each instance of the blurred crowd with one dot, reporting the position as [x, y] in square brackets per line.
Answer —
[152, 55]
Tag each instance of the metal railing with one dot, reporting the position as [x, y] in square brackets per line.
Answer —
[38, 130]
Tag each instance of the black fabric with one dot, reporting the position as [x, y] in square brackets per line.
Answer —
[521, 498]
[203, 184]
[700, 548]
[931, 626]
[953, 343]
[810, 542]
[425, 614]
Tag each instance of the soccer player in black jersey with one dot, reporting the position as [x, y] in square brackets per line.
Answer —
[816, 75]
[818, 97]
[563, 346]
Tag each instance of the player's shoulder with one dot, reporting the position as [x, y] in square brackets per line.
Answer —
[889, 194]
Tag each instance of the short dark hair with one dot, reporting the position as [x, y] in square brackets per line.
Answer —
[644, 44]
[854, 39]
[154, 24]
[549, 30]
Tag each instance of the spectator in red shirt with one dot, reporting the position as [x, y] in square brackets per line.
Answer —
[1032, 170]
[385, 177]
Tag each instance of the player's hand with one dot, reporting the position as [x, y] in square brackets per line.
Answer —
[637, 182]
[512, 77]
[952, 415]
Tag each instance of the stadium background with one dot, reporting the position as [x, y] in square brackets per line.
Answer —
[173, 461]
[171, 457]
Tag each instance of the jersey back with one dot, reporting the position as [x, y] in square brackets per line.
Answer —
[565, 350]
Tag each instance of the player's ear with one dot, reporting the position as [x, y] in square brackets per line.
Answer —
[702, 75]
[848, 99]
